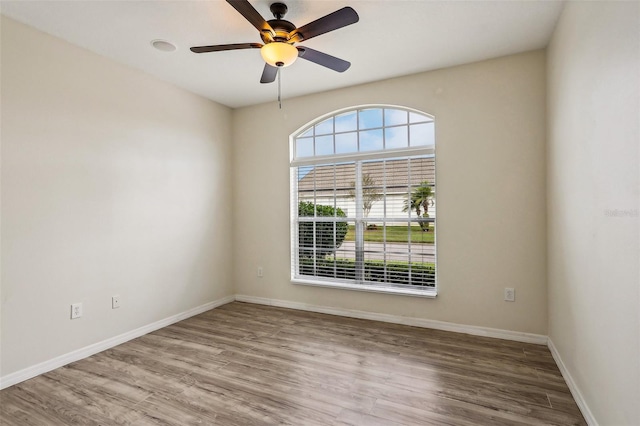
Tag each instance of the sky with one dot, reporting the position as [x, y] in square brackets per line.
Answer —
[366, 130]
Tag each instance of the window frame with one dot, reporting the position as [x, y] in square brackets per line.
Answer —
[408, 153]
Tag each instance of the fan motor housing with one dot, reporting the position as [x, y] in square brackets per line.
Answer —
[282, 29]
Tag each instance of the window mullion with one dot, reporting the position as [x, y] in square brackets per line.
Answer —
[359, 272]
[384, 223]
[410, 223]
[335, 223]
[315, 216]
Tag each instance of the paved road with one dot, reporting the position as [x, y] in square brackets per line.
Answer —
[395, 251]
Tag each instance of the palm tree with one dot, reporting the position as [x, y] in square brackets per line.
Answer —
[370, 193]
[420, 199]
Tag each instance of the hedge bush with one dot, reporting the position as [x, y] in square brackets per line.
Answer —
[325, 242]
[423, 275]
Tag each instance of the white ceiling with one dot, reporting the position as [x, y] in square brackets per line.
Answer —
[393, 38]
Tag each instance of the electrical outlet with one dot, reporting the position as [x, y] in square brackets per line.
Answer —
[260, 272]
[76, 310]
[115, 302]
[510, 294]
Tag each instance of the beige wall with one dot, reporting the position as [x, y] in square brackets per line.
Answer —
[113, 182]
[490, 133]
[116, 183]
[593, 184]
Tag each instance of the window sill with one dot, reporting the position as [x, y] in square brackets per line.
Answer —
[428, 292]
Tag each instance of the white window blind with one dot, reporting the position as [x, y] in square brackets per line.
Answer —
[363, 201]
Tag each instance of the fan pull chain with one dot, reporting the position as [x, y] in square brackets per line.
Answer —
[279, 88]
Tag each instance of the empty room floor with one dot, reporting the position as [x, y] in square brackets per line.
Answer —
[243, 364]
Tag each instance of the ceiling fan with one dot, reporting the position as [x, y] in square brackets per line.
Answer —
[279, 37]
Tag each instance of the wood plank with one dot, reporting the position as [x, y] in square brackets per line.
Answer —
[242, 364]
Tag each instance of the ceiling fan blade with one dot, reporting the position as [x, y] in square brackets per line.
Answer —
[323, 59]
[251, 15]
[333, 21]
[221, 47]
[269, 74]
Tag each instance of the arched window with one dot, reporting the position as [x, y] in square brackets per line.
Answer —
[363, 211]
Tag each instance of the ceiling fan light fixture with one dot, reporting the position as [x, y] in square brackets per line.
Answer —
[279, 54]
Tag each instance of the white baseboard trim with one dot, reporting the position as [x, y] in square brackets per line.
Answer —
[52, 364]
[59, 361]
[396, 319]
[575, 392]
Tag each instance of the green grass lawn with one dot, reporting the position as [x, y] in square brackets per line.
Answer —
[395, 234]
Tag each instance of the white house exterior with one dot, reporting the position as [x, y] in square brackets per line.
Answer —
[332, 185]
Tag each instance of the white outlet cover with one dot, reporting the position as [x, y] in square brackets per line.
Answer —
[115, 302]
[76, 310]
[509, 294]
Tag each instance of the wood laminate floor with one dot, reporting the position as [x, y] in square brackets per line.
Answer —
[244, 364]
